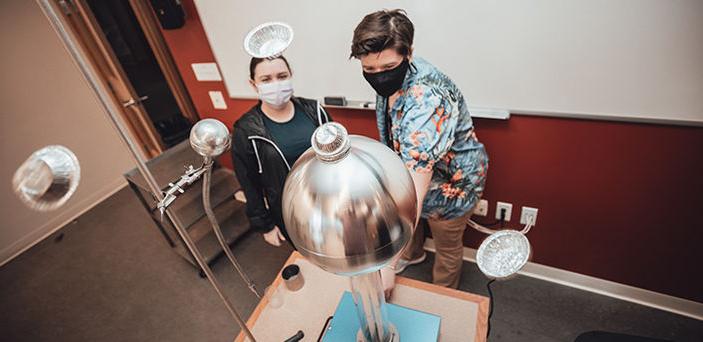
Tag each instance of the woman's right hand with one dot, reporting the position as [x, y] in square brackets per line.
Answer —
[274, 237]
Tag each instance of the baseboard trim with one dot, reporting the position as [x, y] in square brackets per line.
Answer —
[604, 287]
[28, 241]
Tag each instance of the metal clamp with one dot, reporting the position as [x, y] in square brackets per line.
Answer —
[191, 176]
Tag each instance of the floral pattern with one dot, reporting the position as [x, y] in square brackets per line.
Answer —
[432, 131]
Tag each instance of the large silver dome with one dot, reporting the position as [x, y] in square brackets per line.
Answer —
[349, 203]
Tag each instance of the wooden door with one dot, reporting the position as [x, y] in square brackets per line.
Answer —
[94, 42]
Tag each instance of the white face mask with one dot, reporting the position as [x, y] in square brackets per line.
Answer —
[277, 94]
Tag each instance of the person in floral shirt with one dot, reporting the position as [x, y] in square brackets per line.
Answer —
[424, 117]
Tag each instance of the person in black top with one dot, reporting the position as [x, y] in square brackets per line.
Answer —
[268, 139]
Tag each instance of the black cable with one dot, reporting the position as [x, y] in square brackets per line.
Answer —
[502, 217]
[490, 308]
[297, 337]
[494, 223]
[324, 328]
[500, 221]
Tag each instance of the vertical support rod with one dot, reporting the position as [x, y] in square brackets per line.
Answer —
[207, 180]
[371, 308]
[113, 113]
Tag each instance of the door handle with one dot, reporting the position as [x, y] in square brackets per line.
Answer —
[132, 102]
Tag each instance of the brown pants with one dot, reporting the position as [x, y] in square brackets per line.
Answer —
[448, 238]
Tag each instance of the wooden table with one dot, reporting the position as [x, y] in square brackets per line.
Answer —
[281, 313]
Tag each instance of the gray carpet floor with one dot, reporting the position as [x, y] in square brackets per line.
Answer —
[110, 276]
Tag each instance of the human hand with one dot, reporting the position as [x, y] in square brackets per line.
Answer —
[388, 281]
[274, 237]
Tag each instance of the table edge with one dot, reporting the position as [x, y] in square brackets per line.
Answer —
[482, 301]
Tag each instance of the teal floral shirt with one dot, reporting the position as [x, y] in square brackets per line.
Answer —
[431, 129]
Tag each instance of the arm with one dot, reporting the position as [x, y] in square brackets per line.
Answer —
[422, 183]
[427, 134]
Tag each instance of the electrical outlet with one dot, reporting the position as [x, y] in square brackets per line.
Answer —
[508, 210]
[528, 214]
[481, 208]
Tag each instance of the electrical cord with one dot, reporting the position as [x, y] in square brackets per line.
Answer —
[500, 221]
[502, 218]
[481, 228]
[485, 230]
[490, 308]
[324, 328]
[494, 223]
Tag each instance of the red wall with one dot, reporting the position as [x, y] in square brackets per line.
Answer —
[616, 201]
[189, 45]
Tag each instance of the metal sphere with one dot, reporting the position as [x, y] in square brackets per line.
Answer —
[349, 203]
[210, 138]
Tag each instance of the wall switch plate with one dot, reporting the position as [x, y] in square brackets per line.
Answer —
[206, 72]
[527, 214]
[508, 210]
[481, 208]
[218, 100]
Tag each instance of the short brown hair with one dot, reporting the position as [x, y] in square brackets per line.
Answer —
[255, 61]
[382, 30]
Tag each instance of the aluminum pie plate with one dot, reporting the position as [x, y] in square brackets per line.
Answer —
[48, 178]
[268, 40]
[503, 254]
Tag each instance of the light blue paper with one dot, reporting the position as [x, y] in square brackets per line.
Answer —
[412, 325]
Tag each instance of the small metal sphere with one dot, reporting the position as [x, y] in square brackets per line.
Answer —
[210, 138]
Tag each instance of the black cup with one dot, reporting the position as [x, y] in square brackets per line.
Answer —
[292, 277]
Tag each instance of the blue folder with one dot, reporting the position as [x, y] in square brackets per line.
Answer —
[412, 325]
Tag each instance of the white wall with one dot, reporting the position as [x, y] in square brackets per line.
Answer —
[44, 100]
[641, 59]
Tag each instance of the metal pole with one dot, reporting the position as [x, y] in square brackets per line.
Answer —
[113, 113]
[207, 180]
[371, 309]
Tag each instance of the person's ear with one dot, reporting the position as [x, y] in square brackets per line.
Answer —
[410, 55]
[253, 85]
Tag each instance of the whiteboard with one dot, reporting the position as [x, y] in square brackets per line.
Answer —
[620, 59]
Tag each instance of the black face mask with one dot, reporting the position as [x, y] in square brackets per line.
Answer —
[385, 83]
